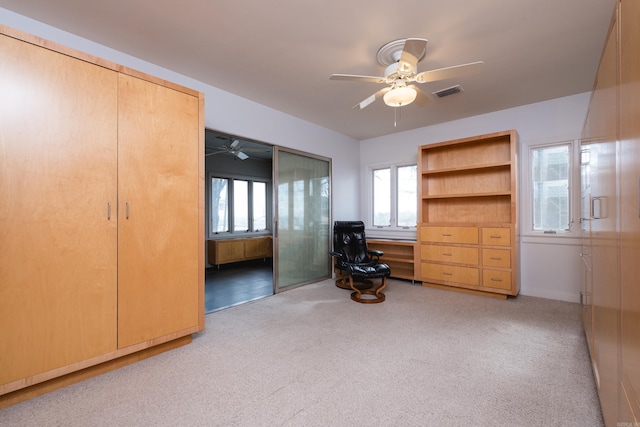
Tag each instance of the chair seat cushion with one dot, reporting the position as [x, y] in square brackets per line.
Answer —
[369, 271]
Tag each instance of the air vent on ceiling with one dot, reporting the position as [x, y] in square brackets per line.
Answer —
[448, 91]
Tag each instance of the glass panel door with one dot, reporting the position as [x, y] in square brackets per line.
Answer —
[302, 197]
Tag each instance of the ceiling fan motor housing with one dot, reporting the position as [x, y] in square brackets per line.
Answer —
[391, 73]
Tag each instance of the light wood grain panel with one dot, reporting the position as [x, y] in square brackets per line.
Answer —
[498, 279]
[487, 180]
[449, 234]
[258, 247]
[468, 153]
[57, 175]
[468, 209]
[496, 258]
[449, 274]
[450, 254]
[630, 206]
[230, 251]
[604, 251]
[496, 236]
[158, 243]
[243, 249]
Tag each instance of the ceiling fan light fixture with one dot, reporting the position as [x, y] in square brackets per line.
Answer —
[399, 96]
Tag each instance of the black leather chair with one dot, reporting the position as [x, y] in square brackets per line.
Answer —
[355, 263]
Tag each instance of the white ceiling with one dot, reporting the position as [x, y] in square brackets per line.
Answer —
[280, 53]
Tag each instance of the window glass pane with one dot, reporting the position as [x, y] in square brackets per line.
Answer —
[407, 196]
[550, 170]
[219, 205]
[259, 206]
[240, 205]
[382, 197]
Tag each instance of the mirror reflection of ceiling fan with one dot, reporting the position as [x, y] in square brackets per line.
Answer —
[401, 58]
[235, 148]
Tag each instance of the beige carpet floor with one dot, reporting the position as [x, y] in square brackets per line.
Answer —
[312, 357]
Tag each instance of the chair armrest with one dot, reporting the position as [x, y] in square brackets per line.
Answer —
[336, 254]
[375, 252]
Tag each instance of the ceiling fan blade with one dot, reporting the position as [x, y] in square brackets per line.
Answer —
[256, 150]
[412, 52]
[371, 79]
[213, 153]
[373, 98]
[453, 72]
[421, 97]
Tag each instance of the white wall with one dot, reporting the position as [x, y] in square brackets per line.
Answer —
[550, 267]
[231, 114]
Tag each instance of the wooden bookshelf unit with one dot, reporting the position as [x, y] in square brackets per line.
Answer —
[468, 214]
[399, 255]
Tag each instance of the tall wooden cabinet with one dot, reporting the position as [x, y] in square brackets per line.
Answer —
[629, 211]
[467, 214]
[611, 208]
[101, 182]
[599, 147]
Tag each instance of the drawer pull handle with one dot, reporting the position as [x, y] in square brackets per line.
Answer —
[446, 234]
[447, 274]
[493, 279]
[495, 258]
[446, 254]
[496, 237]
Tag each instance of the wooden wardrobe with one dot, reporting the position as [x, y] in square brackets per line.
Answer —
[101, 214]
[610, 171]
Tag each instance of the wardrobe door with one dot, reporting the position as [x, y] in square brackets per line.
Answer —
[630, 210]
[604, 228]
[158, 208]
[57, 181]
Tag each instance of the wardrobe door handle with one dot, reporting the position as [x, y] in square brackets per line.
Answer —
[126, 210]
[109, 210]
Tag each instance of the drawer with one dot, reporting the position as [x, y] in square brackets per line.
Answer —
[496, 236]
[468, 235]
[455, 254]
[496, 279]
[449, 273]
[496, 258]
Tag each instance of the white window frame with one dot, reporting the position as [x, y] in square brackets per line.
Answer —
[526, 189]
[236, 233]
[392, 231]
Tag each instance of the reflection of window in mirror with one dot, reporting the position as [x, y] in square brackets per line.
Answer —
[550, 173]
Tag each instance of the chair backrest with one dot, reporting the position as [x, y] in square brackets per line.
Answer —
[349, 240]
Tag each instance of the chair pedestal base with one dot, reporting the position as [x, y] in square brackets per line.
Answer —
[341, 282]
[377, 294]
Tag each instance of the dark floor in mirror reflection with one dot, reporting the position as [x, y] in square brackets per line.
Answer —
[236, 283]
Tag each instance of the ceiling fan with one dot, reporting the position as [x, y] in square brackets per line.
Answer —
[235, 148]
[401, 58]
